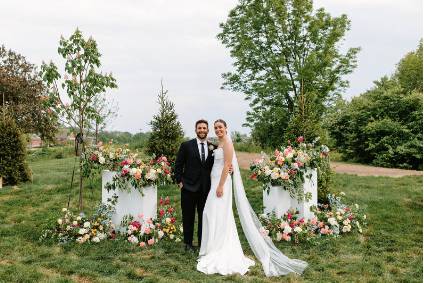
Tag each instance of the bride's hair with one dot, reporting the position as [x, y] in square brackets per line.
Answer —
[220, 121]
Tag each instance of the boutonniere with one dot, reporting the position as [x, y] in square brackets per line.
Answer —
[211, 147]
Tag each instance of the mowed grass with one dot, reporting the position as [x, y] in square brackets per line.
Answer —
[390, 250]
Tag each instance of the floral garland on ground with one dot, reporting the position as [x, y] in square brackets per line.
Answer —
[147, 232]
[70, 227]
[333, 219]
[144, 232]
[288, 167]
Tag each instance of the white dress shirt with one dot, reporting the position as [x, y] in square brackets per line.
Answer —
[199, 146]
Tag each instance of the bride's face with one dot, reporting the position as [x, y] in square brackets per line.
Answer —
[220, 129]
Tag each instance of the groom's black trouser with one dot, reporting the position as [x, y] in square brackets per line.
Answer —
[190, 202]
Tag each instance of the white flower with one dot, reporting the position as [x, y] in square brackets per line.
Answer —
[101, 160]
[160, 234]
[68, 228]
[59, 221]
[346, 222]
[95, 240]
[346, 228]
[133, 171]
[101, 236]
[64, 209]
[274, 175]
[332, 221]
[80, 240]
[287, 229]
[151, 175]
[168, 220]
[356, 205]
[86, 224]
[171, 236]
[181, 228]
[295, 166]
[298, 229]
[365, 216]
[264, 231]
[133, 239]
[342, 194]
[82, 231]
[111, 155]
[339, 217]
[268, 172]
[79, 218]
[279, 236]
[177, 240]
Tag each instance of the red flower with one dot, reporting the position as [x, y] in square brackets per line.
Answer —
[161, 201]
[254, 177]
[302, 220]
[167, 201]
[93, 157]
[124, 162]
[161, 212]
[136, 224]
[350, 217]
[125, 171]
[170, 210]
[166, 171]
[289, 216]
[300, 139]
[173, 219]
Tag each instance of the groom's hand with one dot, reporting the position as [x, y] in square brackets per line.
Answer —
[180, 185]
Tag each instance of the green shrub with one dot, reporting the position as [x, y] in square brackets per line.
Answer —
[13, 165]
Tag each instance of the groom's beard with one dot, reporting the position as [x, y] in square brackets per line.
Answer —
[202, 136]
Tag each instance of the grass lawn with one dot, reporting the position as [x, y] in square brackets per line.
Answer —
[390, 250]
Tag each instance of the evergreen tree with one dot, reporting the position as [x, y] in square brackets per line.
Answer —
[13, 165]
[167, 132]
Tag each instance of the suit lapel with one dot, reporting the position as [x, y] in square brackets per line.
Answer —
[196, 149]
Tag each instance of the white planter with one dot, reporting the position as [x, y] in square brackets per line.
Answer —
[279, 200]
[132, 202]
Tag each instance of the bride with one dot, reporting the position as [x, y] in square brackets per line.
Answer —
[221, 250]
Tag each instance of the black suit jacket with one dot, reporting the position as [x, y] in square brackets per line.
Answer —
[189, 168]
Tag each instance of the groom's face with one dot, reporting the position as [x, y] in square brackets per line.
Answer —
[202, 130]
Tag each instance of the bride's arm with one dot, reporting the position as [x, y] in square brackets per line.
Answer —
[228, 158]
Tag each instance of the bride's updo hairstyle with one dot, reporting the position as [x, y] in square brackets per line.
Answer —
[220, 121]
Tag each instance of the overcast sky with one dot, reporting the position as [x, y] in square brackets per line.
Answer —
[144, 41]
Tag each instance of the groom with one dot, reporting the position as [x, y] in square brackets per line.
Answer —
[192, 172]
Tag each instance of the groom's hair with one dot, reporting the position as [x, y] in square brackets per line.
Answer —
[201, 121]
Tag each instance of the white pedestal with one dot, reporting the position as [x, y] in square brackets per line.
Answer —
[279, 200]
[132, 202]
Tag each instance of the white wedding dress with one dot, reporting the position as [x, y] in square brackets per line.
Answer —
[221, 250]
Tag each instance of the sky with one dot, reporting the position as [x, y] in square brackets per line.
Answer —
[144, 42]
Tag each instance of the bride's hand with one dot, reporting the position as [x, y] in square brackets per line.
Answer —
[220, 191]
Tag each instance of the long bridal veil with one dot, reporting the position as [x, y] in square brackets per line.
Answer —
[274, 262]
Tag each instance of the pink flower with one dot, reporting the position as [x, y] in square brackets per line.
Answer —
[287, 151]
[300, 139]
[286, 237]
[314, 221]
[321, 224]
[142, 244]
[149, 220]
[147, 230]
[151, 241]
[141, 216]
[300, 164]
[124, 171]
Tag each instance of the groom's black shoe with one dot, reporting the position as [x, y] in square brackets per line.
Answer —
[189, 247]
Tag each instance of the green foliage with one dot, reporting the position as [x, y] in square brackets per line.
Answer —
[22, 96]
[383, 126]
[13, 165]
[286, 60]
[167, 132]
[409, 71]
[135, 141]
[325, 180]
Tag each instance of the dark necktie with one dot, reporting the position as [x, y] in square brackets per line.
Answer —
[203, 152]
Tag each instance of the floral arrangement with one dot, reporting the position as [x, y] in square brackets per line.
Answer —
[104, 157]
[333, 219]
[288, 167]
[147, 232]
[137, 173]
[79, 228]
[143, 231]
